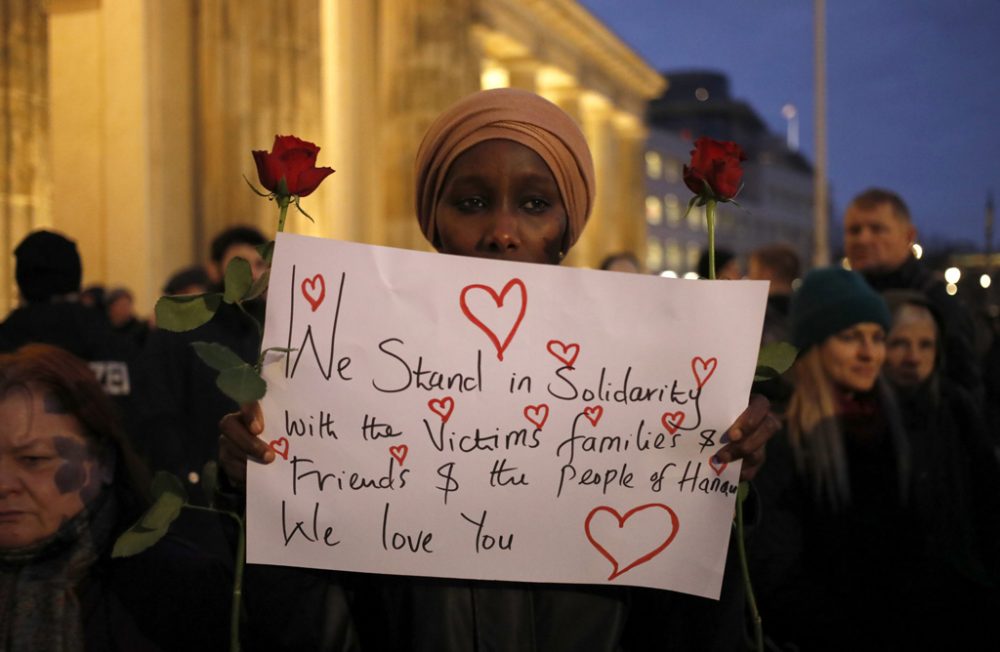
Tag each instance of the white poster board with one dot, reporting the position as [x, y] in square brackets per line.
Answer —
[455, 417]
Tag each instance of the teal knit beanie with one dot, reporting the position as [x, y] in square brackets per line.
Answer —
[832, 299]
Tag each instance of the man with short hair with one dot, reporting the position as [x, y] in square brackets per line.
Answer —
[181, 403]
[779, 265]
[48, 271]
[878, 241]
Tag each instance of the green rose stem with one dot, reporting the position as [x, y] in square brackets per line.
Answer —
[744, 488]
[241, 548]
[283, 202]
[758, 628]
[710, 216]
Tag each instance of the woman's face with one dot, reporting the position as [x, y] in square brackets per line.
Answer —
[47, 471]
[853, 357]
[911, 350]
[501, 201]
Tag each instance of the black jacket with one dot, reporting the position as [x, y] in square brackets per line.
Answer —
[170, 597]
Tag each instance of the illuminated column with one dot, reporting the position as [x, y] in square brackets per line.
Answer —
[348, 36]
[24, 135]
[120, 120]
[601, 236]
[630, 169]
[522, 73]
[427, 62]
[258, 74]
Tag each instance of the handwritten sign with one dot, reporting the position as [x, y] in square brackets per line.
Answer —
[455, 417]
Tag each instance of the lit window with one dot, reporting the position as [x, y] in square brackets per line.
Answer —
[672, 208]
[654, 255]
[693, 254]
[695, 217]
[654, 210]
[672, 170]
[494, 75]
[654, 165]
[673, 255]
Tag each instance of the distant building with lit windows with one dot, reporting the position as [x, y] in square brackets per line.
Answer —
[776, 203]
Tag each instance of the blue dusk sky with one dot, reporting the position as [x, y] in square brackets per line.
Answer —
[913, 89]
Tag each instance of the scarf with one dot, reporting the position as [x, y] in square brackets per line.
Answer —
[507, 114]
[39, 609]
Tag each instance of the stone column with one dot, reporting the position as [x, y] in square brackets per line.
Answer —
[350, 124]
[601, 237]
[630, 208]
[24, 133]
[120, 116]
[258, 74]
[426, 62]
[523, 73]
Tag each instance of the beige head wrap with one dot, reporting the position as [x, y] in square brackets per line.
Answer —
[507, 114]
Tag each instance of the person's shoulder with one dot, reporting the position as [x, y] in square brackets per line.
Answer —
[175, 593]
[176, 555]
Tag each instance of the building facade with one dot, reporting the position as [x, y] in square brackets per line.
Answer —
[130, 122]
[775, 204]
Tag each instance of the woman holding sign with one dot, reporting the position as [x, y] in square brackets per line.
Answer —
[504, 174]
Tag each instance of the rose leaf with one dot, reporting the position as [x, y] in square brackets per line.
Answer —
[187, 312]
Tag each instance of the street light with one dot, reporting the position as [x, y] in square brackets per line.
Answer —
[952, 275]
[984, 281]
[791, 116]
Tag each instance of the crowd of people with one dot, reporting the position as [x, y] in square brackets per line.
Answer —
[874, 522]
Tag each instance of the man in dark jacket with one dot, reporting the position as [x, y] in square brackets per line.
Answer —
[48, 272]
[878, 241]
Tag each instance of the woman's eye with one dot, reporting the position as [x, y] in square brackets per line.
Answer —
[536, 205]
[34, 460]
[470, 204]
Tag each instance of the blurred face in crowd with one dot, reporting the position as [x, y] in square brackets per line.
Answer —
[47, 471]
[247, 252]
[911, 347]
[876, 239]
[730, 271]
[623, 264]
[500, 200]
[853, 357]
[120, 310]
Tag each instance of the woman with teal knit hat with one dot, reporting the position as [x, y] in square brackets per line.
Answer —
[844, 557]
[834, 558]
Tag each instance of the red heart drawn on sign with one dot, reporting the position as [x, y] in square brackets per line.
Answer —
[399, 452]
[617, 569]
[498, 300]
[703, 369]
[537, 414]
[672, 421]
[564, 353]
[442, 407]
[717, 466]
[593, 414]
[314, 290]
[280, 447]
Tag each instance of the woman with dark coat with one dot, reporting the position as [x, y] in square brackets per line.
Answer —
[845, 556]
[506, 175]
[69, 485]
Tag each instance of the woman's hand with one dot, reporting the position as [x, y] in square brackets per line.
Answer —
[240, 440]
[745, 440]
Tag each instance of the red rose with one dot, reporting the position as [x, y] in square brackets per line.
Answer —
[716, 163]
[293, 160]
